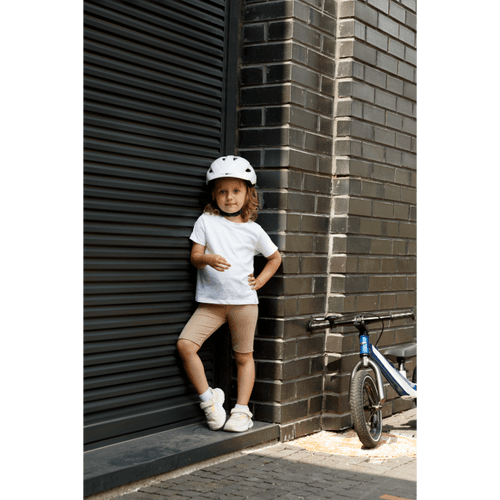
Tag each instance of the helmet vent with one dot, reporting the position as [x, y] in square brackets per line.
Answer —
[247, 170]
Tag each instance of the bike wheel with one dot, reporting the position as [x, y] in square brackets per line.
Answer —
[366, 414]
[414, 380]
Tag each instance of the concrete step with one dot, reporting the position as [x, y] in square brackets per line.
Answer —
[137, 459]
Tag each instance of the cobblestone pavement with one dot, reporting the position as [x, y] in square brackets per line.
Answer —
[286, 471]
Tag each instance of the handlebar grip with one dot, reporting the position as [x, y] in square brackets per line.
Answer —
[409, 314]
[339, 320]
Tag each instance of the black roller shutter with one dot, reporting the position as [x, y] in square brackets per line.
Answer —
[155, 102]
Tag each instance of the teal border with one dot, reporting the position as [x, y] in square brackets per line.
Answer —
[41, 250]
[457, 246]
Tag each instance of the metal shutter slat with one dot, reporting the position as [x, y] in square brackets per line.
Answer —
[168, 332]
[159, 274]
[152, 47]
[160, 121]
[143, 320]
[151, 27]
[137, 102]
[152, 132]
[172, 87]
[188, 109]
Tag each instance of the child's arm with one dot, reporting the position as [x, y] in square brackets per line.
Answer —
[273, 262]
[200, 259]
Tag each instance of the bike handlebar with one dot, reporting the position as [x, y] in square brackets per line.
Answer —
[362, 318]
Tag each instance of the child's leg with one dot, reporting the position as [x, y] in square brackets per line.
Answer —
[193, 366]
[242, 322]
[205, 321]
[245, 367]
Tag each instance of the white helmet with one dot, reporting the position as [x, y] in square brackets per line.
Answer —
[232, 166]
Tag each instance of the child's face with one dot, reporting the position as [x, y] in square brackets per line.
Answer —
[230, 194]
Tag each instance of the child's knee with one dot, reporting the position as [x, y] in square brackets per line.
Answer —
[242, 358]
[186, 347]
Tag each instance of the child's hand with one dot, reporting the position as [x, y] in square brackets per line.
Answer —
[218, 262]
[254, 282]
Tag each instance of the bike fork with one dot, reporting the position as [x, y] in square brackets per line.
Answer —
[366, 362]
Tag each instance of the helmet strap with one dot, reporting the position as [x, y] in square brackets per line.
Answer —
[226, 214]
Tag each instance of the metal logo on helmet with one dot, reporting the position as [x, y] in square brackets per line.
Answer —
[232, 166]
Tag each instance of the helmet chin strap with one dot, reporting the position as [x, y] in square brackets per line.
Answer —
[226, 214]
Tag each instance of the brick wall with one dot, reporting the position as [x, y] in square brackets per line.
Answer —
[327, 116]
[373, 260]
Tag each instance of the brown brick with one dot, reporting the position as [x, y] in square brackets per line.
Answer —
[389, 265]
[371, 226]
[406, 299]
[295, 368]
[407, 264]
[387, 301]
[383, 209]
[299, 243]
[337, 403]
[309, 426]
[333, 342]
[379, 246]
[317, 363]
[368, 265]
[313, 265]
[412, 248]
[267, 391]
[360, 206]
[289, 349]
[390, 228]
[398, 283]
[399, 247]
[411, 283]
[295, 285]
[309, 386]
[310, 345]
[294, 410]
[407, 230]
[401, 211]
[268, 349]
[290, 264]
[267, 412]
[404, 335]
[311, 305]
[269, 370]
[316, 404]
[337, 382]
[367, 303]
[379, 284]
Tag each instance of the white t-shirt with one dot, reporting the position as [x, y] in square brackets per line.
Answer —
[238, 244]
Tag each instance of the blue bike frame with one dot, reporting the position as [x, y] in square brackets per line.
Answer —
[372, 358]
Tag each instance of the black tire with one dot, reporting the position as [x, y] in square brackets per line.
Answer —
[366, 414]
[414, 380]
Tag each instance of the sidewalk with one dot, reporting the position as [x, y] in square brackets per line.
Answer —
[290, 471]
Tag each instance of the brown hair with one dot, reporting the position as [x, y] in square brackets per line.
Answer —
[250, 209]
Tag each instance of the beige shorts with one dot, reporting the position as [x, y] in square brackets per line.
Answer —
[242, 320]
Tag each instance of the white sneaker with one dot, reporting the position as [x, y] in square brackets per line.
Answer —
[240, 421]
[215, 413]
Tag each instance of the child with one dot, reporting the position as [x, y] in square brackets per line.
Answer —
[225, 241]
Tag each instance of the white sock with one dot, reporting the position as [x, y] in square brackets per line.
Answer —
[206, 396]
[241, 407]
